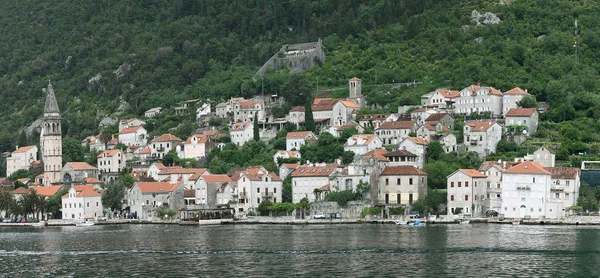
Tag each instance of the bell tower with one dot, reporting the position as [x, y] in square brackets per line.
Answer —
[51, 139]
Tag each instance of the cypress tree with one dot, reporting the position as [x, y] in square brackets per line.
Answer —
[309, 121]
[256, 134]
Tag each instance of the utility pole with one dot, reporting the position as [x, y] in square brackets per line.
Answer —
[576, 43]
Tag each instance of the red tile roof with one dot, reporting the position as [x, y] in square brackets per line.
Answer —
[108, 153]
[480, 125]
[397, 125]
[563, 172]
[374, 117]
[81, 166]
[528, 167]
[249, 104]
[47, 190]
[157, 187]
[189, 193]
[166, 138]
[366, 139]
[297, 135]
[355, 79]
[431, 126]
[130, 130]
[217, 178]
[85, 191]
[298, 109]
[404, 153]
[350, 104]
[324, 104]
[239, 126]
[201, 138]
[516, 91]
[379, 154]
[436, 117]
[520, 112]
[419, 140]
[24, 149]
[91, 180]
[257, 173]
[291, 165]
[146, 150]
[473, 173]
[343, 127]
[401, 170]
[314, 171]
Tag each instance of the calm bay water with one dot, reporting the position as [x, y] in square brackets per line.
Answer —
[479, 250]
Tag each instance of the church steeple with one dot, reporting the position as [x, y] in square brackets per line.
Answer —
[51, 105]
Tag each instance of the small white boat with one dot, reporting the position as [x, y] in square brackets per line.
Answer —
[401, 222]
[516, 222]
[417, 224]
[84, 223]
[465, 221]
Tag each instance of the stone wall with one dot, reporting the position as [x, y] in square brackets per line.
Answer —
[352, 210]
[298, 57]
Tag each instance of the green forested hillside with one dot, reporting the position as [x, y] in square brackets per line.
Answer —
[169, 51]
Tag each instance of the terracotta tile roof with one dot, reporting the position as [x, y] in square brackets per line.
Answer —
[419, 110]
[431, 126]
[473, 173]
[436, 117]
[47, 190]
[326, 187]
[239, 126]
[113, 141]
[201, 138]
[210, 132]
[516, 91]
[189, 193]
[81, 166]
[494, 91]
[217, 178]
[298, 109]
[355, 79]
[146, 150]
[324, 104]
[23, 180]
[419, 140]
[289, 153]
[160, 166]
[451, 94]
[91, 180]
[249, 104]
[350, 104]
[480, 125]
[486, 165]
[130, 130]
[39, 176]
[20, 190]
[91, 139]
[520, 112]
[397, 125]
[365, 138]
[297, 135]
[166, 138]
[256, 173]
[343, 127]
[400, 153]
[108, 153]
[315, 171]
[157, 187]
[473, 88]
[528, 167]
[563, 172]
[291, 165]
[24, 149]
[379, 154]
[85, 191]
[401, 170]
[374, 117]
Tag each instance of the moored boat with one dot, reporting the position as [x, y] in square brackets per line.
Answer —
[85, 223]
[401, 222]
[516, 222]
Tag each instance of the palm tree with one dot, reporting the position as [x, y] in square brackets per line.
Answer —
[6, 198]
[105, 137]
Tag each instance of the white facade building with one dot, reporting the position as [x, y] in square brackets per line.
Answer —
[163, 144]
[294, 140]
[416, 146]
[511, 98]
[307, 178]
[526, 192]
[21, 159]
[133, 136]
[477, 99]
[241, 133]
[362, 143]
[194, 147]
[254, 185]
[466, 192]
[482, 137]
[82, 202]
[111, 161]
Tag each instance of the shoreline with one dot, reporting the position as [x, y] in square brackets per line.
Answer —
[290, 221]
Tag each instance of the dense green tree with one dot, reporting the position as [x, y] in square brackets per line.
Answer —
[73, 151]
[286, 190]
[528, 102]
[434, 150]
[112, 196]
[256, 128]
[437, 171]
[309, 121]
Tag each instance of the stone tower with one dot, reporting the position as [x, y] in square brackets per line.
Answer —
[355, 91]
[51, 139]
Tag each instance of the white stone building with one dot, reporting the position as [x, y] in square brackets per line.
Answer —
[564, 186]
[207, 187]
[362, 143]
[545, 156]
[163, 144]
[294, 140]
[527, 117]
[392, 133]
[152, 112]
[244, 110]
[466, 192]
[477, 99]
[307, 178]
[82, 202]
[127, 123]
[526, 193]
[416, 146]
[511, 98]
[286, 154]
[254, 185]
[241, 133]
[375, 120]
[401, 185]
[51, 139]
[133, 136]
[21, 159]
[482, 137]
[111, 161]
[439, 98]
[194, 147]
[144, 198]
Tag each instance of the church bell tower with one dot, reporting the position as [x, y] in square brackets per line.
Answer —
[51, 139]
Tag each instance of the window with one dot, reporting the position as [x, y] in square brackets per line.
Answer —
[497, 185]
[534, 180]
[258, 190]
[498, 196]
[466, 197]
[566, 196]
[274, 200]
[451, 197]
[96, 203]
[451, 184]
[459, 184]
[488, 195]
[274, 190]
[387, 182]
[567, 183]
[258, 200]
[475, 183]
[557, 195]
[466, 184]
[87, 204]
[514, 209]
[398, 181]
[475, 197]
[410, 181]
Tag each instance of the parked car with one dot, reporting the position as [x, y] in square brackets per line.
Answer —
[414, 214]
[7, 220]
[491, 213]
[100, 218]
[319, 215]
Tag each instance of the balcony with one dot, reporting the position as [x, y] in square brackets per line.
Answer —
[523, 186]
[160, 149]
[473, 142]
[557, 188]
[243, 195]
[267, 194]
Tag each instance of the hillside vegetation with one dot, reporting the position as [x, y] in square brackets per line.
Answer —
[158, 53]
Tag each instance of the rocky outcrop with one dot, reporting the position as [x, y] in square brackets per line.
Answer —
[485, 18]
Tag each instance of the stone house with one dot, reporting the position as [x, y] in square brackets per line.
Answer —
[545, 156]
[244, 110]
[392, 133]
[439, 98]
[477, 99]
[527, 117]
[432, 131]
[82, 202]
[287, 168]
[307, 178]
[207, 188]
[286, 154]
[94, 143]
[511, 98]
[111, 163]
[564, 185]
[123, 124]
[254, 185]
[419, 115]
[401, 185]
[294, 140]
[416, 146]
[493, 197]
[144, 198]
[296, 116]
[362, 143]
[194, 147]
[482, 137]
[375, 120]
[466, 192]
[77, 172]
[163, 144]
[444, 118]
[401, 158]
[152, 112]
[222, 109]
[448, 142]
[133, 136]
[241, 133]
[21, 159]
